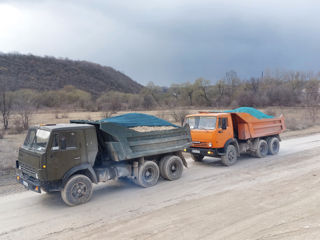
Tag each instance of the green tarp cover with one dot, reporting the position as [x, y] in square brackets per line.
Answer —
[137, 119]
[252, 111]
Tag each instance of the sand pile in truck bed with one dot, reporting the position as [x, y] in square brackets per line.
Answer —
[141, 122]
[151, 129]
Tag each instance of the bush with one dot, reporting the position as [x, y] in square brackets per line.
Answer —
[108, 114]
[17, 127]
[179, 116]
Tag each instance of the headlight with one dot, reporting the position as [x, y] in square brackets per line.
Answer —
[37, 176]
[210, 144]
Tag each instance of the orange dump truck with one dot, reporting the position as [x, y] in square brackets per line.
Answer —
[228, 134]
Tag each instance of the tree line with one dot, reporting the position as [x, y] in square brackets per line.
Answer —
[272, 89]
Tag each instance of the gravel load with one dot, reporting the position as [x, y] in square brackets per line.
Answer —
[151, 129]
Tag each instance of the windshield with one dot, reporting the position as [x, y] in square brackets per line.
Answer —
[37, 139]
[208, 123]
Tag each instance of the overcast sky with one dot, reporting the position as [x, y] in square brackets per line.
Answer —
[168, 41]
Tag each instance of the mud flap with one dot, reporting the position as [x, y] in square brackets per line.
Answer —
[183, 159]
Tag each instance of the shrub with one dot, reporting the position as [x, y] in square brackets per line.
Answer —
[179, 116]
[17, 127]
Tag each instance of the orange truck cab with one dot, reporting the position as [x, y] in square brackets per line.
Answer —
[227, 135]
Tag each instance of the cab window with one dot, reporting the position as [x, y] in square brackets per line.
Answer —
[223, 123]
[64, 141]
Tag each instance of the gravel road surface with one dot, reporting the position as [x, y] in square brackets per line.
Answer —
[276, 197]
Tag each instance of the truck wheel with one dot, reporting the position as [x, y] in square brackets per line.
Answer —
[262, 149]
[171, 167]
[230, 157]
[77, 190]
[273, 146]
[148, 174]
[197, 157]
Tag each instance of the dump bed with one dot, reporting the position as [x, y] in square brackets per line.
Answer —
[246, 126]
[122, 143]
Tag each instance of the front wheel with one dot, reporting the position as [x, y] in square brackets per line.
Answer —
[148, 174]
[230, 156]
[77, 190]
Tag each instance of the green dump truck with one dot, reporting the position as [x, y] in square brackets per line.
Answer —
[70, 157]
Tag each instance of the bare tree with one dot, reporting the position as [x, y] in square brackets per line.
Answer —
[202, 85]
[312, 98]
[188, 90]
[5, 103]
[24, 105]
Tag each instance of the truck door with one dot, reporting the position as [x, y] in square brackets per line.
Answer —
[224, 132]
[65, 153]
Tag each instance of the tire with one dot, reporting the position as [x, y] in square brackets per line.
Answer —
[262, 149]
[197, 157]
[171, 167]
[148, 174]
[230, 157]
[77, 190]
[273, 146]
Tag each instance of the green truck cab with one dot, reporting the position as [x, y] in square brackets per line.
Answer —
[70, 157]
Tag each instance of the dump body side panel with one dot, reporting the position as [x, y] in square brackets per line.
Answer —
[121, 143]
[247, 126]
[130, 144]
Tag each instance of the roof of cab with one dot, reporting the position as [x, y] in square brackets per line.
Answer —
[208, 114]
[65, 126]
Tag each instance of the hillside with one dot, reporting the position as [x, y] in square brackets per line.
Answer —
[48, 73]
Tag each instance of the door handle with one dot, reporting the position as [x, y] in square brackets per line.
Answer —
[220, 131]
[76, 158]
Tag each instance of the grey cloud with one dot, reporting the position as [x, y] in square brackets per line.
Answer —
[171, 41]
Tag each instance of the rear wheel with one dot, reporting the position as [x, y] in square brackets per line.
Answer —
[197, 157]
[273, 146]
[148, 174]
[77, 190]
[171, 167]
[230, 157]
[262, 149]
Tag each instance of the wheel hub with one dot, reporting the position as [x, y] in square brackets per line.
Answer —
[79, 190]
[148, 174]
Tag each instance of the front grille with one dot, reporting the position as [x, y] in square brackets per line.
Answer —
[28, 170]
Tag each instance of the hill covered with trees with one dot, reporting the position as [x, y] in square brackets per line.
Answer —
[49, 73]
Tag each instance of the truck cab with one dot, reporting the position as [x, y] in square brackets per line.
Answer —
[210, 134]
[210, 130]
[51, 153]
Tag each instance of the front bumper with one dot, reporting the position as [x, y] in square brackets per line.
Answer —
[28, 182]
[203, 151]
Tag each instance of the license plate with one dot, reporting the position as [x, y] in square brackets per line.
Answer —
[196, 151]
[25, 183]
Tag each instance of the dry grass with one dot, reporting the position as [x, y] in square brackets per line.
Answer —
[295, 118]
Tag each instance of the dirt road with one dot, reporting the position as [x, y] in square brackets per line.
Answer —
[276, 197]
